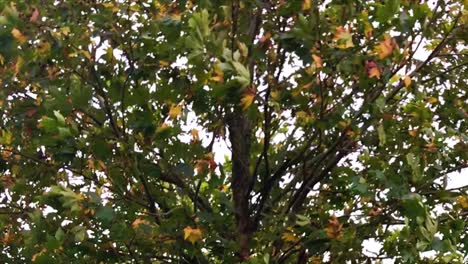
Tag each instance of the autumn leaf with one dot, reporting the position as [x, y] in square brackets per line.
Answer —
[38, 254]
[372, 69]
[163, 63]
[432, 100]
[315, 260]
[306, 5]
[343, 38]
[334, 229]
[413, 132]
[18, 35]
[192, 234]
[218, 75]
[289, 236]
[139, 221]
[386, 47]
[368, 29]
[206, 162]
[462, 201]
[248, 97]
[34, 15]
[407, 81]
[317, 61]
[195, 136]
[431, 147]
[266, 37]
[175, 111]
[43, 47]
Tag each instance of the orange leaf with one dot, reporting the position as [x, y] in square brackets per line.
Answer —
[386, 47]
[372, 69]
[138, 222]
[317, 61]
[407, 81]
[195, 136]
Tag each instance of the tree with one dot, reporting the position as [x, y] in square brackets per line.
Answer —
[343, 120]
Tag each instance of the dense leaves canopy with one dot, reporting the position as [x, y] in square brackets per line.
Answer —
[209, 131]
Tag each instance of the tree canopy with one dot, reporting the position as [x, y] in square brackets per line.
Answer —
[340, 120]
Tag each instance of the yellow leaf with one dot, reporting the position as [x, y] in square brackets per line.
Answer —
[289, 237]
[315, 260]
[112, 6]
[164, 63]
[462, 201]
[19, 63]
[368, 30]
[343, 38]
[218, 75]
[86, 54]
[317, 61]
[35, 256]
[432, 100]
[248, 97]
[306, 5]
[386, 47]
[43, 47]
[407, 81]
[175, 111]
[192, 234]
[18, 36]
[275, 95]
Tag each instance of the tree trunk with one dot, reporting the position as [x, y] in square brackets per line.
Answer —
[240, 135]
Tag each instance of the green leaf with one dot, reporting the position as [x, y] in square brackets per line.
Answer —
[60, 118]
[382, 135]
[413, 161]
[80, 233]
[106, 214]
[60, 235]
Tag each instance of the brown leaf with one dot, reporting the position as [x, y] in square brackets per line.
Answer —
[334, 229]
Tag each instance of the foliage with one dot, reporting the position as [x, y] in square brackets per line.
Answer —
[343, 119]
